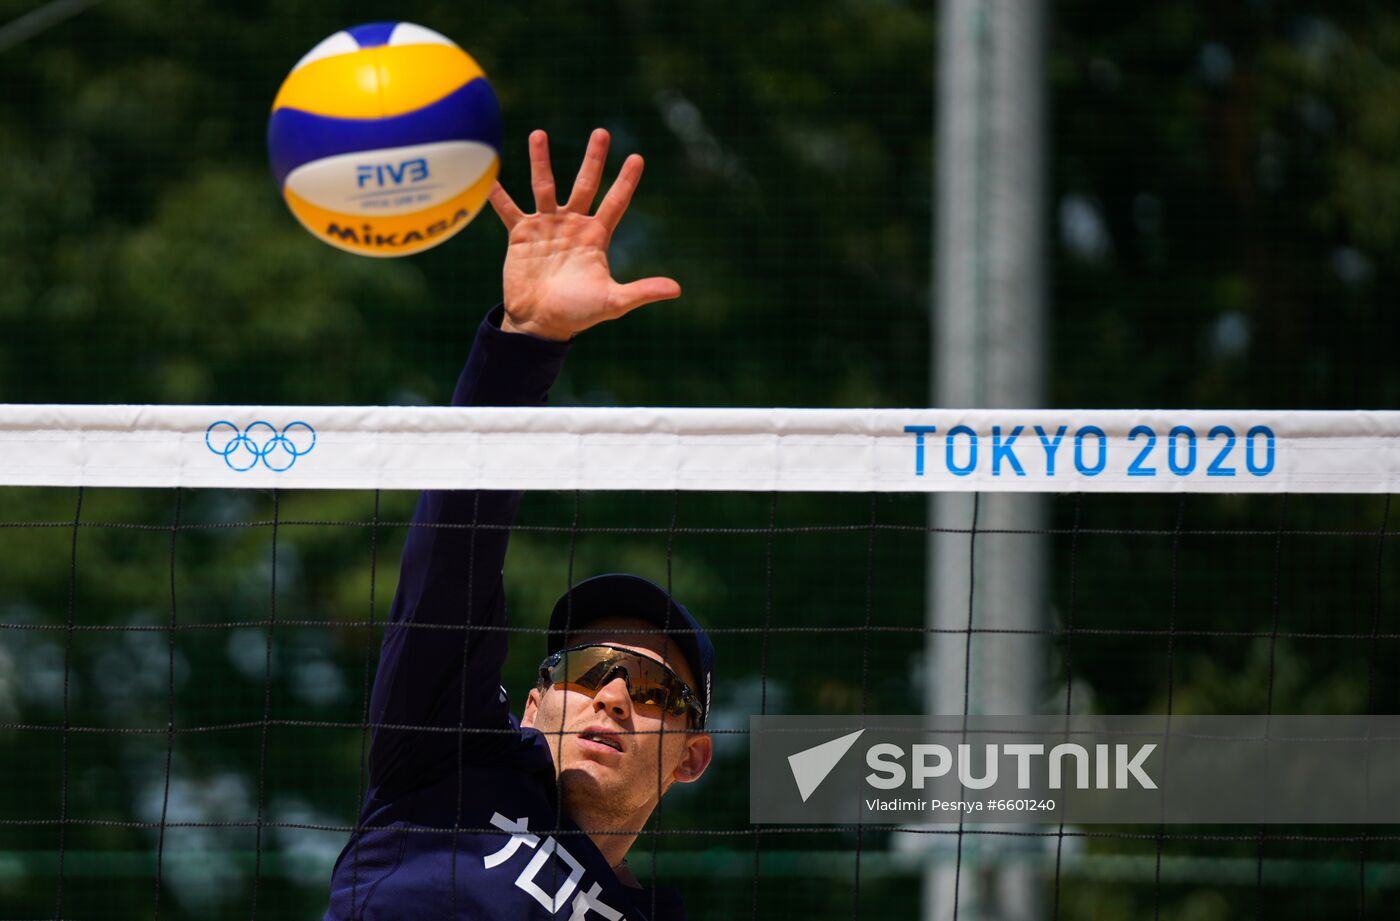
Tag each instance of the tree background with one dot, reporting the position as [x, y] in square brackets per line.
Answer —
[1223, 226]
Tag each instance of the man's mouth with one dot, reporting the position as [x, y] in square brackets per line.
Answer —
[602, 737]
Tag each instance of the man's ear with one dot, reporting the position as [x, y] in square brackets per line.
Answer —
[532, 708]
[699, 752]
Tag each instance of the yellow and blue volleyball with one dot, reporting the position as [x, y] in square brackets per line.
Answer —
[385, 139]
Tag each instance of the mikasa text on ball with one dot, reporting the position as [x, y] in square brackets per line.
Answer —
[385, 139]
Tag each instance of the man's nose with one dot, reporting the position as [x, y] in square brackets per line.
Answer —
[614, 696]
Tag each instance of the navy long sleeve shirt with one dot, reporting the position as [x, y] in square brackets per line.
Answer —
[447, 751]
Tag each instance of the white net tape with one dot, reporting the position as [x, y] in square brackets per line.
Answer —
[639, 448]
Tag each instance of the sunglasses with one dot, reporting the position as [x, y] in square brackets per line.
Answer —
[654, 688]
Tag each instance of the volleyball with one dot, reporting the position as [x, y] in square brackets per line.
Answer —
[385, 139]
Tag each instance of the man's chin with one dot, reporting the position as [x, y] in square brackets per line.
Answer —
[588, 784]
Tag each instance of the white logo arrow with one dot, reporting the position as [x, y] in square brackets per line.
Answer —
[810, 767]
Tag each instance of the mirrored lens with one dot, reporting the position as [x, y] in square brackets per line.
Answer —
[650, 684]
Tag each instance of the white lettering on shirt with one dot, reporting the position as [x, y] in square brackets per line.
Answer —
[519, 835]
[589, 900]
[526, 879]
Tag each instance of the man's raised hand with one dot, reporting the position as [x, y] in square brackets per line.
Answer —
[557, 281]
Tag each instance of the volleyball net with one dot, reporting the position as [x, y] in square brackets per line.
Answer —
[192, 601]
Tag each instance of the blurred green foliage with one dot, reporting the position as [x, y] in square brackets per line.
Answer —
[1223, 224]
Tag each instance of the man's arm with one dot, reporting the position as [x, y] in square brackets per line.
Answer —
[441, 661]
[440, 664]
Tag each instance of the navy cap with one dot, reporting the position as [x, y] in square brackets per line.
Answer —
[627, 595]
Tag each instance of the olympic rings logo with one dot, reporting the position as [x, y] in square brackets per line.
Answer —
[242, 449]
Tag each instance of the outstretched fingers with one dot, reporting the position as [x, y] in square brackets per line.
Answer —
[541, 175]
[624, 299]
[590, 174]
[505, 207]
[615, 203]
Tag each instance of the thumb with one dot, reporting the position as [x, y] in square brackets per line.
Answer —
[623, 299]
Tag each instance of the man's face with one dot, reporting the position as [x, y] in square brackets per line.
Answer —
[595, 777]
